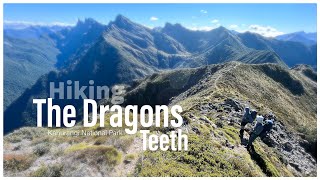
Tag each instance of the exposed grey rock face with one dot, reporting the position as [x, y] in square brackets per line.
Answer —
[233, 103]
[292, 151]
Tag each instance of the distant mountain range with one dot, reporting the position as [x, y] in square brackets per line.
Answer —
[301, 36]
[121, 52]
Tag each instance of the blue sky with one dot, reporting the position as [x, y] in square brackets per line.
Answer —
[266, 19]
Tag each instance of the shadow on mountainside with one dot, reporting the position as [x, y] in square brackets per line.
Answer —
[257, 158]
[283, 77]
[260, 161]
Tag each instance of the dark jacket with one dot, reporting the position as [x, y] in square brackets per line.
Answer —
[248, 116]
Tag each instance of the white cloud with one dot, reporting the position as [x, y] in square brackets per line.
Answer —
[61, 24]
[267, 31]
[153, 18]
[215, 21]
[201, 28]
[148, 26]
[233, 26]
[203, 11]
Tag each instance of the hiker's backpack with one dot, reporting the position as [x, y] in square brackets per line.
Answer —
[259, 126]
[246, 115]
[249, 116]
[268, 125]
[253, 115]
[258, 129]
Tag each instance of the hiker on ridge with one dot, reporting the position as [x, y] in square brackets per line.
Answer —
[248, 117]
[267, 125]
[261, 129]
[256, 131]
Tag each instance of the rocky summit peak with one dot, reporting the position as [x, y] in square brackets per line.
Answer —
[120, 19]
[86, 22]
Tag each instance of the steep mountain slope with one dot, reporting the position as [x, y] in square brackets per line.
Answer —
[141, 45]
[220, 45]
[217, 46]
[25, 60]
[291, 53]
[72, 42]
[301, 36]
[36, 50]
[112, 59]
[212, 98]
[198, 41]
[307, 71]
